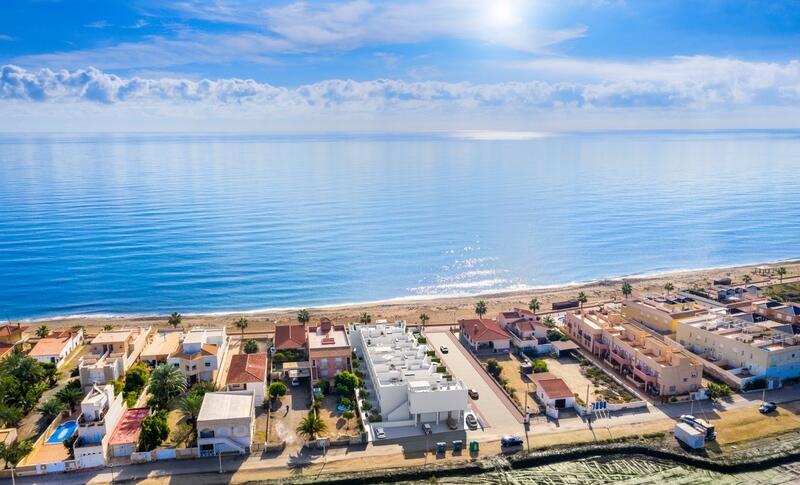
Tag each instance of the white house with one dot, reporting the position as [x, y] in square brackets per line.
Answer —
[525, 330]
[484, 336]
[553, 393]
[56, 349]
[410, 388]
[248, 372]
[100, 413]
[200, 353]
[111, 354]
[226, 423]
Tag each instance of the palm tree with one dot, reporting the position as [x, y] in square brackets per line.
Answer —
[669, 287]
[627, 289]
[175, 319]
[747, 279]
[190, 407]
[303, 316]
[107, 327]
[311, 426]
[781, 272]
[423, 318]
[166, 382]
[534, 305]
[365, 318]
[43, 331]
[241, 324]
[70, 396]
[480, 308]
[51, 408]
[549, 322]
[582, 299]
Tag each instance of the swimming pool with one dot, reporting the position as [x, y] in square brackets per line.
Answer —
[62, 433]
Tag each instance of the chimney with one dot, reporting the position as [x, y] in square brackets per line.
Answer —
[475, 329]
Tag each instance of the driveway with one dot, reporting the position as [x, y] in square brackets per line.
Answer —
[493, 408]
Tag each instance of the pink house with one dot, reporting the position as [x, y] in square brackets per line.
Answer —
[329, 350]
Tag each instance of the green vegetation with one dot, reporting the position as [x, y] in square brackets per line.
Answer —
[276, 390]
[441, 369]
[303, 316]
[493, 368]
[190, 408]
[365, 318]
[22, 382]
[289, 355]
[175, 319]
[43, 331]
[241, 324]
[781, 272]
[539, 366]
[669, 287]
[754, 384]
[480, 308]
[14, 453]
[71, 395]
[324, 386]
[136, 379]
[346, 383]
[747, 279]
[582, 298]
[51, 408]
[718, 391]
[627, 289]
[784, 292]
[606, 388]
[51, 373]
[549, 322]
[166, 383]
[250, 346]
[555, 335]
[423, 318]
[154, 431]
[423, 340]
[534, 305]
[108, 327]
[311, 426]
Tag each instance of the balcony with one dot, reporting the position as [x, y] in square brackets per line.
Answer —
[600, 345]
[644, 376]
[620, 359]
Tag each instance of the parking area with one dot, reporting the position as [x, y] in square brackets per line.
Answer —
[286, 414]
[492, 408]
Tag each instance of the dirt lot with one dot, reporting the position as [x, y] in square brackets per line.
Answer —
[569, 370]
[337, 426]
[516, 381]
[283, 423]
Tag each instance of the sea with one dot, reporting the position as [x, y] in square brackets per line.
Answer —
[146, 224]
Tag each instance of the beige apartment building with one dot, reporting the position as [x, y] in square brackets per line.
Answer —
[651, 365]
[659, 313]
[112, 353]
[739, 351]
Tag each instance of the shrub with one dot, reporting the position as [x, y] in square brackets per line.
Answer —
[422, 340]
[348, 415]
[374, 418]
[154, 431]
[366, 405]
[436, 359]
[250, 346]
[346, 402]
[136, 378]
[324, 386]
[431, 353]
[346, 383]
[119, 386]
[277, 389]
[539, 366]
[493, 368]
[131, 398]
[441, 369]
[319, 396]
[554, 335]
[717, 391]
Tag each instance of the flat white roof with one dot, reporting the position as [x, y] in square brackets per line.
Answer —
[225, 405]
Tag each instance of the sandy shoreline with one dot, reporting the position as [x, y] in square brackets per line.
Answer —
[440, 310]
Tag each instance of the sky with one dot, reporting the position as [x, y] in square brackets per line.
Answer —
[510, 66]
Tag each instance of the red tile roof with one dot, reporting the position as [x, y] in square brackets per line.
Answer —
[290, 337]
[482, 330]
[523, 312]
[5, 348]
[129, 426]
[247, 368]
[11, 329]
[554, 388]
[49, 346]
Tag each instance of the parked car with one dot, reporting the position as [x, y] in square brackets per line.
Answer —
[767, 407]
[444, 349]
[295, 382]
[472, 423]
[473, 393]
[380, 434]
[427, 428]
[510, 444]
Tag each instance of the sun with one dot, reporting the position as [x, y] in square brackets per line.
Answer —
[502, 13]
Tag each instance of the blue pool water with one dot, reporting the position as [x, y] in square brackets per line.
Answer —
[62, 433]
[123, 224]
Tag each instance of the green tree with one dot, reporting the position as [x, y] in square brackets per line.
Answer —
[51, 408]
[303, 316]
[166, 383]
[348, 415]
[175, 319]
[136, 378]
[549, 322]
[747, 279]
[669, 287]
[365, 318]
[276, 390]
[154, 431]
[627, 289]
[582, 298]
[70, 396]
[10, 415]
[781, 272]
[534, 305]
[201, 388]
[717, 391]
[480, 308]
[494, 368]
[69, 444]
[108, 327]
[14, 453]
[190, 408]
[311, 426]
[539, 366]
[43, 331]
[51, 373]
[346, 383]
[241, 324]
[423, 318]
[250, 346]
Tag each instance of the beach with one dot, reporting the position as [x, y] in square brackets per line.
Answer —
[441, 310]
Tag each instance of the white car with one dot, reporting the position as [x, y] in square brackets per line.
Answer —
[295, 382]
[380, 434]
[443, 349]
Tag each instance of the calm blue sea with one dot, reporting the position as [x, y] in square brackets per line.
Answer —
[142, 224]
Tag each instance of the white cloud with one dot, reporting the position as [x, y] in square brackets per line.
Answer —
[690, 86]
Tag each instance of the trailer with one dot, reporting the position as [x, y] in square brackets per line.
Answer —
[690, 436]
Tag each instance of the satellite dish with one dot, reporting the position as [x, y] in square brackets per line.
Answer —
[272, 350]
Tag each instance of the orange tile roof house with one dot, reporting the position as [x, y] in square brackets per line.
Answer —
[56, 349]
[11, 333]
[553, 392]
[290, 337]
[248, 372]
[482, 335]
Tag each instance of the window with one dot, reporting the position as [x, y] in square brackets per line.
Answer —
[208, 364]
[338, 361]
[671, 388]
[323, 362]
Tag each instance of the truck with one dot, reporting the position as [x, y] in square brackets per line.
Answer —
[701, 425]
[690, 436]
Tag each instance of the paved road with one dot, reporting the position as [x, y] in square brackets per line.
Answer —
[499, 420]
